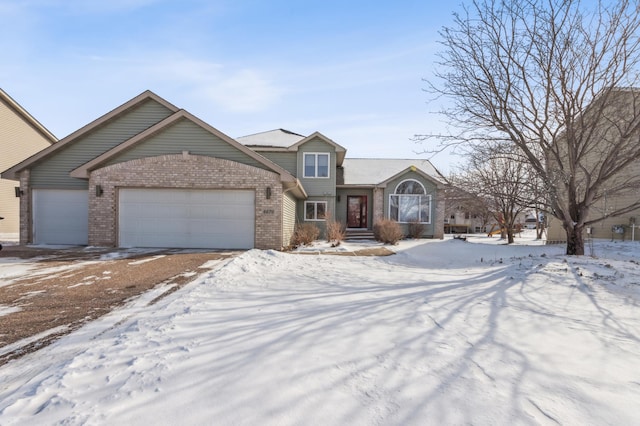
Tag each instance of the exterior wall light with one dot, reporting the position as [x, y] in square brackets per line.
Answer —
[19, 192]
[99, 191]
[268, 192]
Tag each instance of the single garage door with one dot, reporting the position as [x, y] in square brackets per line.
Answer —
[186, 218]
[60, 216]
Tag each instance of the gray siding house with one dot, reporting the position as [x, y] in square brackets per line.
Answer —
[149, 174]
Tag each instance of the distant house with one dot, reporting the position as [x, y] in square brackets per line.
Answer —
[149, 174]
[21, 136]
[466, 213]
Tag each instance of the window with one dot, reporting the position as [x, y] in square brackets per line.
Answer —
[316, 165]
[315, 210]
[410, 203]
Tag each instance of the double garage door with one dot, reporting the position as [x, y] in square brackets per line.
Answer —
[186, 218]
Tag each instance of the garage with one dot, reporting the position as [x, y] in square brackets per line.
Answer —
[186, 218]
[60, 216]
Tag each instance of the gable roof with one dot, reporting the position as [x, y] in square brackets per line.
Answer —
[379, 171]
[278, 138]
[339, 148]
[84, 170]
[19, 110]
[73, 137]
[286, 140]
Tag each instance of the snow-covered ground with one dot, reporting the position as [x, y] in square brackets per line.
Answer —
[443, 332]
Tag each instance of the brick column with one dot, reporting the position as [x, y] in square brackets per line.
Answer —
[26, 206]
[378, 204]
[438, 226]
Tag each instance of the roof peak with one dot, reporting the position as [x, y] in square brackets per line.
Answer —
[289, 132]
[27, 116]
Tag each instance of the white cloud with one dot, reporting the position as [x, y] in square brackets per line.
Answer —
[243, 91]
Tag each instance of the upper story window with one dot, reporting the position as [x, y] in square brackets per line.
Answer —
[410, 203]
[316, 165]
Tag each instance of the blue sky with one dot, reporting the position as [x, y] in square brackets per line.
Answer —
[352, 70]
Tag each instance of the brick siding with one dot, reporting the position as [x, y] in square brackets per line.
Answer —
[188, 172]
[378, 204]
[26, 228]
[438, 230]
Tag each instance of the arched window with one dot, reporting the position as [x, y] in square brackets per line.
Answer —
[410, 203]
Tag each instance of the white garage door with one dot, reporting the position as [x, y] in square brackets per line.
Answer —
[60, 216]
[186, 218]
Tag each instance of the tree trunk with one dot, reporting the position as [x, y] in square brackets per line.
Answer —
[575, 240]
[539, 230]
[510, 235]
[539, 227]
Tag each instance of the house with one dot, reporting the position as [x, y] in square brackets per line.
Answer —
[464, 222]
[467, 213]
[148, 174]
[610, 153]
[21, 136]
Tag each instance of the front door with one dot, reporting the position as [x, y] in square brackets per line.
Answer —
[356, 211]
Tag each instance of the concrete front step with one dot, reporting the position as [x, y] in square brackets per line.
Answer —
[357, 234]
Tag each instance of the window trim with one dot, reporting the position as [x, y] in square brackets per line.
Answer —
[427, 199]
[315, 211]
[315, 165]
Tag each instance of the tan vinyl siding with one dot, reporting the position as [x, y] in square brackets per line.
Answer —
[54, 173]
[288, 218]
[9, 207]
[286, 160]
[186, 136]
[18, 141]
[618, 117]
[602, 229]
[318, 186]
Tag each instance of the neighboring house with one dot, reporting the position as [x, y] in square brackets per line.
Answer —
[466, 213]
[463, 222]
[149, 174]
[21, 136]
[619, 115]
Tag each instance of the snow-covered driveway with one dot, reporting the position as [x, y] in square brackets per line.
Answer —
[444, 332]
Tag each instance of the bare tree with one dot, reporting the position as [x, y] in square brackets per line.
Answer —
[544, 76]
[535, 198]
[500, 178]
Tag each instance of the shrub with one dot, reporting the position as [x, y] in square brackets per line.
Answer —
[335, 232]
[387, 231]
[305, 233]
[416, 229]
